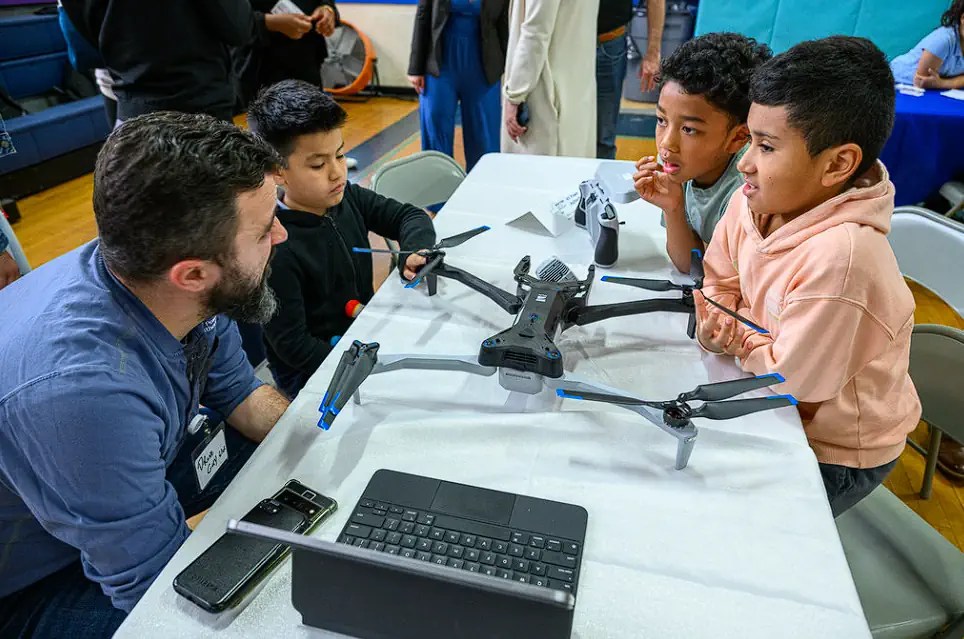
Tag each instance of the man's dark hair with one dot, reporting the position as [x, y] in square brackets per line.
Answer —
[717, 66]
[166, 187]
[952, 17]
[836, 90]
[291, 108]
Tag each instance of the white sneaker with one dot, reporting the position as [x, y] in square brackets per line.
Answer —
[351, 163]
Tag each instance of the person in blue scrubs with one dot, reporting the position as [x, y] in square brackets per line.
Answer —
[937, 61]
[458, 55]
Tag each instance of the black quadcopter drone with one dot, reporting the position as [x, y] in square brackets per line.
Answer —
[525, 354]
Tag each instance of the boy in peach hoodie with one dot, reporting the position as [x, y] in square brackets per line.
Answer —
[802, 251]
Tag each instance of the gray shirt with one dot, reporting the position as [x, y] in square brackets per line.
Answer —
[705, 207]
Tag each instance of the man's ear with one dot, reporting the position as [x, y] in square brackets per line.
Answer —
[739, 136]
[841, 162]
[193, 276]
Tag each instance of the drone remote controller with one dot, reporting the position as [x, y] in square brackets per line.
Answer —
[596, 214]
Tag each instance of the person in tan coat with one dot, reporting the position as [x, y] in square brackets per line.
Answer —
[551, 67]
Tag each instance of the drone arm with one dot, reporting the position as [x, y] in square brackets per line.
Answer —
[589, 314]
[569, 387]
[459, 363]
[507, 301]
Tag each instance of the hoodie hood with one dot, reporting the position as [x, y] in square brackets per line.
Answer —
[870, 202]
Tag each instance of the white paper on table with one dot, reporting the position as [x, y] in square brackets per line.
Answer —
[554, 219]
[910, 89]
[955, 94]
[286, 6]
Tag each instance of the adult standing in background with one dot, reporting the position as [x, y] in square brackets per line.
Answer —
[175, 55]
[611, 64]
[274, 57]
[457, 59]
[550, 68]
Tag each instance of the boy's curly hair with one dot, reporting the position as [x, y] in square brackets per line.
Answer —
[717, 66]
[952, 17]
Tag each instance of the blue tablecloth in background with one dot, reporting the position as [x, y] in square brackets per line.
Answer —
[926, 148]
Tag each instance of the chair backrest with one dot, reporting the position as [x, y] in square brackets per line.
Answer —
[14, 246]
[937, 368]
[423, 179]
[930, 249]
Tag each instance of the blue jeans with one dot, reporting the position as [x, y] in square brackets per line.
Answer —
[68, 604]
[846, 486]
[610, 72]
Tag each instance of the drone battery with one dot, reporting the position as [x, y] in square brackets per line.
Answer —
[616, 180]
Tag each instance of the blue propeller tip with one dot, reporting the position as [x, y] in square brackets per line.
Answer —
[562, 393]
[789, 398]
[322, 425]
[412, 284]
[698, 253]
[605, 278]
[777, 376]
[485, 227]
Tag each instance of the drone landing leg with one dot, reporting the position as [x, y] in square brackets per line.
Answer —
[432, 283]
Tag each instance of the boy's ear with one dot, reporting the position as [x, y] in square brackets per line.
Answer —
[841, 163]
[279, 177]
[739, 136]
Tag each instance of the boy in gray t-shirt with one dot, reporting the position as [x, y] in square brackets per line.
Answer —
[701, 134]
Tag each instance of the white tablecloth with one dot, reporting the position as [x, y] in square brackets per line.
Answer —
[739, 544]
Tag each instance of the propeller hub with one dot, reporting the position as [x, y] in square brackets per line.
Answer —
[677, 415]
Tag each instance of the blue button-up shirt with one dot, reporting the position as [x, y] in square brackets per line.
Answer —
[95, 397]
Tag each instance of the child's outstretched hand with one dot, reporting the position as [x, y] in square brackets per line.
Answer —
[716, 331]
[654, 186]
[414, 262]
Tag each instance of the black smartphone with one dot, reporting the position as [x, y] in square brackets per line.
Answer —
[522, 115]
[224, 573]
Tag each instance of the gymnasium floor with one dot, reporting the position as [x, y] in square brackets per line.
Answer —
[60, 219]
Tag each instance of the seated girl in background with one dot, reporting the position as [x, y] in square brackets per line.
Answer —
[936, 62]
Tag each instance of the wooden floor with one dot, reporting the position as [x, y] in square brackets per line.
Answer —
[61, 219]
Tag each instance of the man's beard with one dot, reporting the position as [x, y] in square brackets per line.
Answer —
[241, 298]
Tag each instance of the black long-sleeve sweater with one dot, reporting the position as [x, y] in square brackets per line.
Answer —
[169, 54]
[315, 273]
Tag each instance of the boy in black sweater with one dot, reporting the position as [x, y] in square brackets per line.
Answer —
[315, 275]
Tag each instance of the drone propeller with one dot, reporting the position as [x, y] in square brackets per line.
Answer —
[709, 410]
[649, 285]
[725, 390]
[620, 400]
[444, 243]
[740, 407]
[736, 316]
[697, 273]
[455, 240]
[357, 249]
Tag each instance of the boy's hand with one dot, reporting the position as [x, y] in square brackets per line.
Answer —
[655, 187]
[717, 332]
[289, 24]
[324, 19]
[414, 262]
